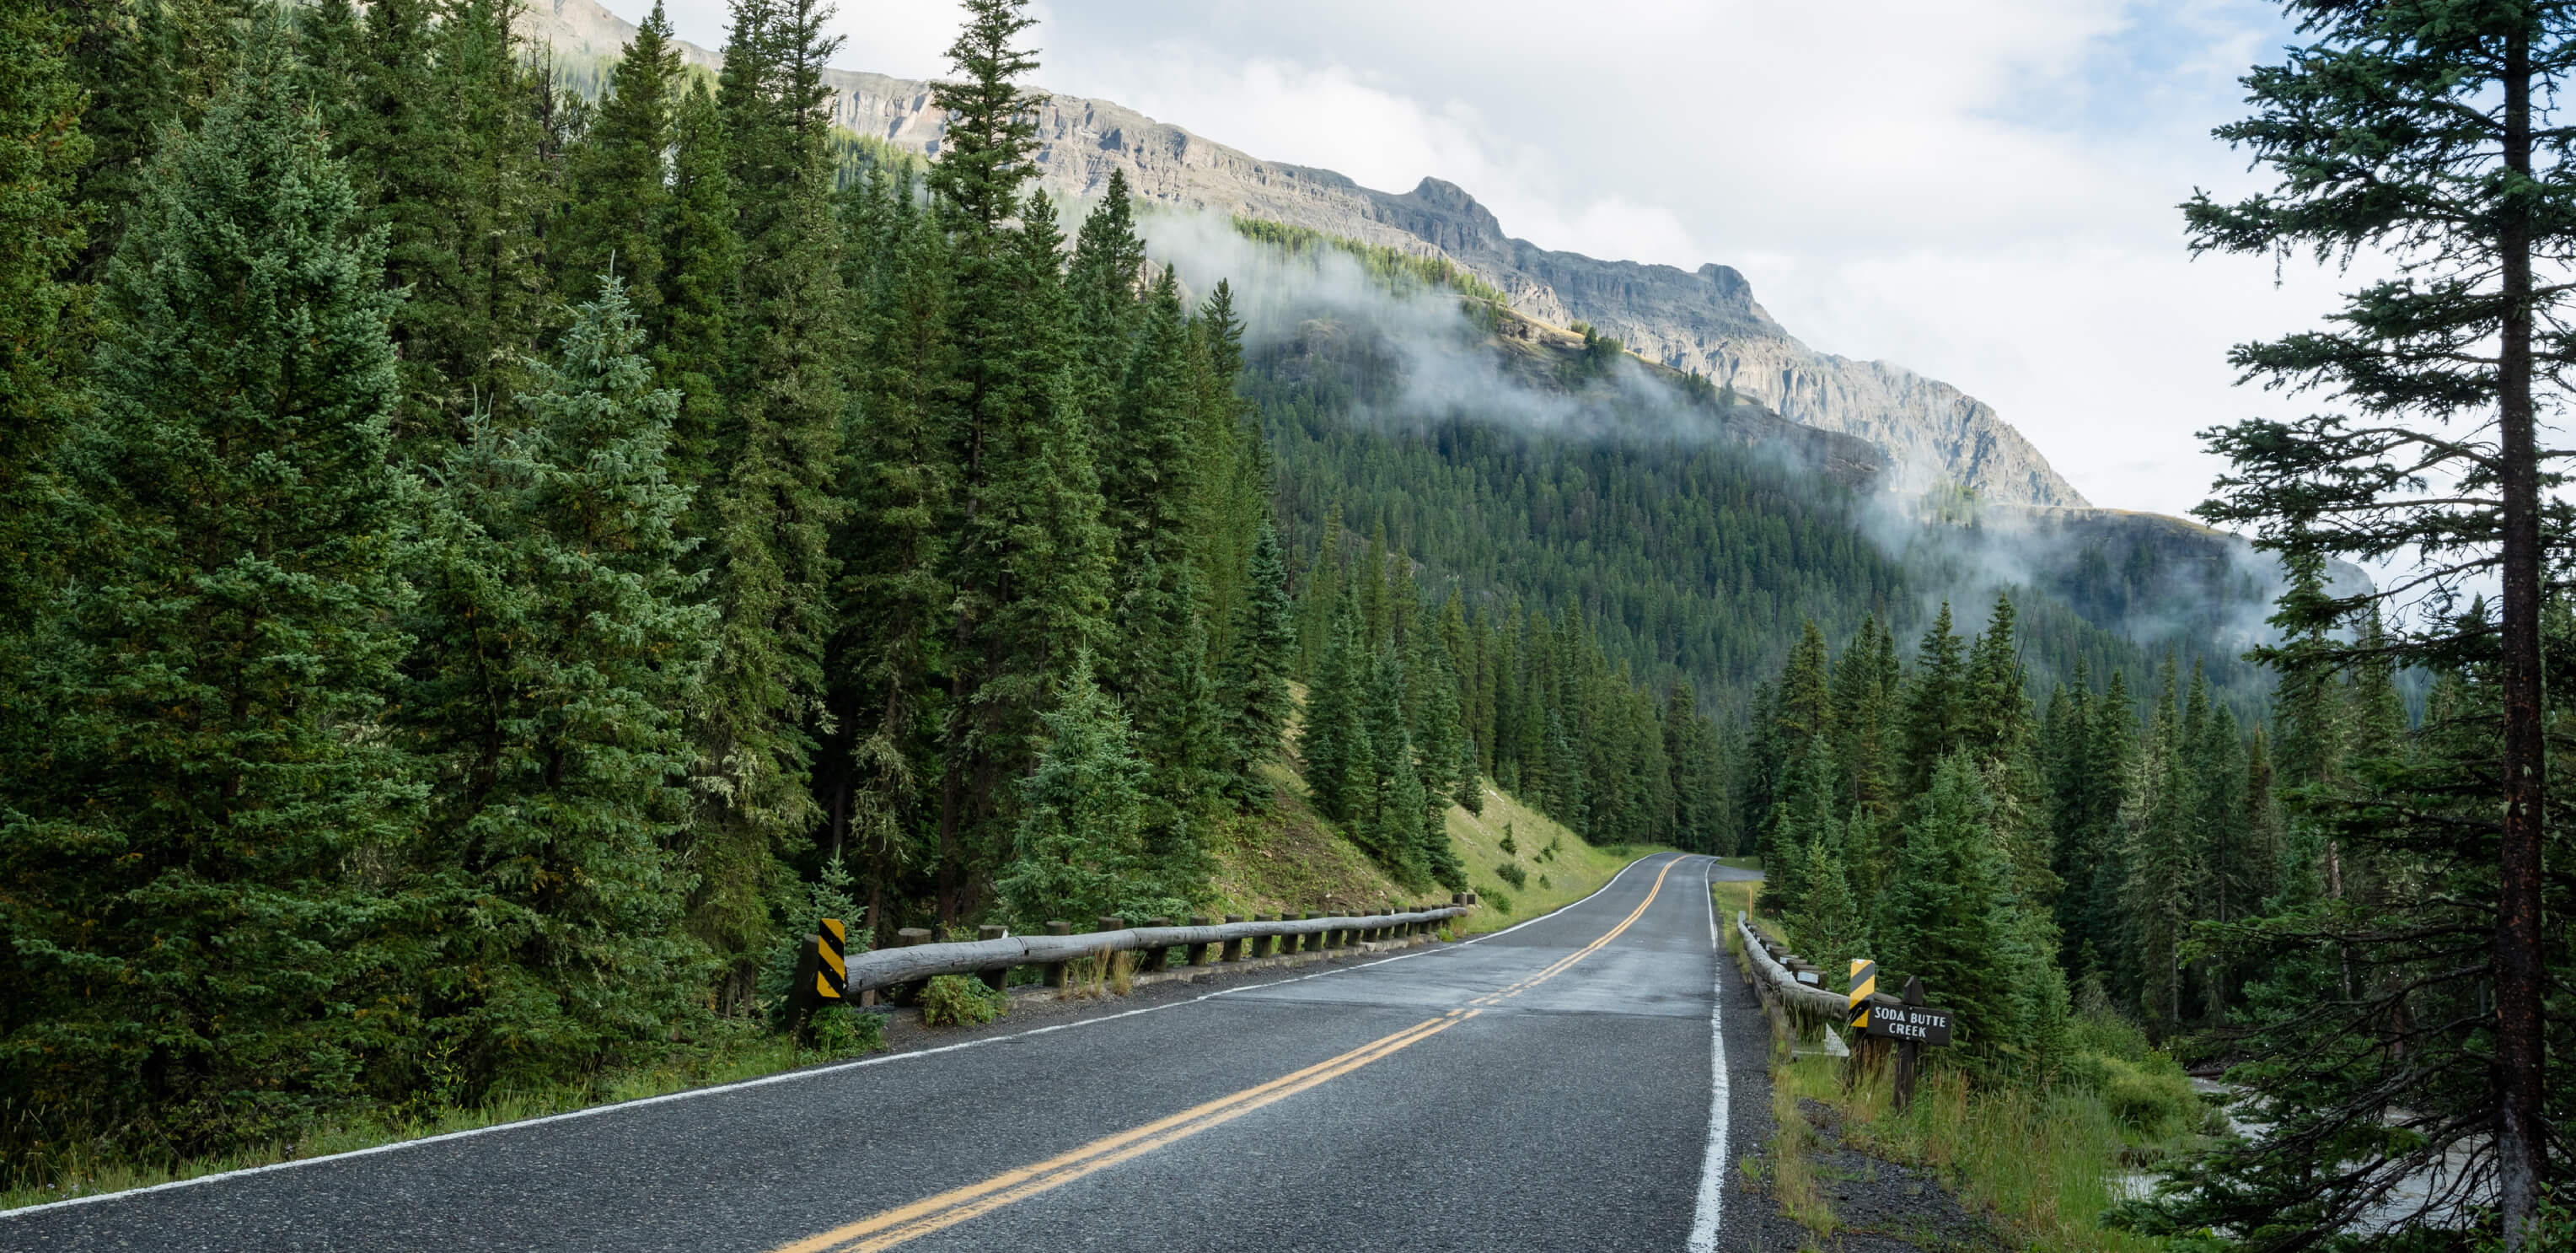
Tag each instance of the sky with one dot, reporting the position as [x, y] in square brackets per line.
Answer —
[1983, 191]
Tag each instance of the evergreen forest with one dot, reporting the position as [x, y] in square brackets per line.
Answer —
[492, 549]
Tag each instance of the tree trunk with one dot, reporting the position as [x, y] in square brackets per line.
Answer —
[2518, 969]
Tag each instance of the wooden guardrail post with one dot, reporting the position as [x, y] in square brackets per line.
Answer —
[1233, 948]
[1260, 945]
[999, 976]
[1198, 954]
[1055, 970]
[907, 993]
[1159, 956]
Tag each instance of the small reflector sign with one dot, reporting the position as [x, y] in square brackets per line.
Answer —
[1864, 980]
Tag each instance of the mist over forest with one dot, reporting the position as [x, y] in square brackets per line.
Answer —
[504, 549]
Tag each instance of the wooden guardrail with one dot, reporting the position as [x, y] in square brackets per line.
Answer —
[1776, 973]
[1792, 991]
[1204, 944]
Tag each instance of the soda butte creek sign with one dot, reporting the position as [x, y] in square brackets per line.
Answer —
[1917, 1023]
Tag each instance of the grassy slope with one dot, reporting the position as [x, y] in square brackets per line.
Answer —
[1288, 857]
[1575, 871]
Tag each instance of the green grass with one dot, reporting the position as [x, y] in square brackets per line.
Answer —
[2045, 1162]
[1793, 1160]
[738, 1051]
[1574, 871]
[1731, 899]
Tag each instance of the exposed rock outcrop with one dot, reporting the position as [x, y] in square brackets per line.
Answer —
[1704, 320]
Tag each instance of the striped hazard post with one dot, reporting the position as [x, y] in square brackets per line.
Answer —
[832, 965]
[822, 975]
[1864, 980]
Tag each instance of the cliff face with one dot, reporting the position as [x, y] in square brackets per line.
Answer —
[1704, 320]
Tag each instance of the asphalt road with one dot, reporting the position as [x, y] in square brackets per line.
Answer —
[1546, 1087]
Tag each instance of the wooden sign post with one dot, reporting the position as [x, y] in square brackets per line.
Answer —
[1910, 1023]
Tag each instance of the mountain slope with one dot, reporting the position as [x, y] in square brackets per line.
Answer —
[1704, 320]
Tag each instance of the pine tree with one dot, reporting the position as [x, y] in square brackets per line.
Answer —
[189, 938]
[1181, 734]
[1334, 743]
[1035, 555]
[893, 594]
[991, 137]
[1437, 737]
[1032, 558]
[616, 194]
[1253, 692]
[448, 151]
[2163, 867]
[1829, 924]
[42, 148]
[1996, 707]
[1940, 918]
[2099, 842]
[1804, 816]
[2387, 128]
[772, 509]
[1935, 717]
[693, 343]
[1108, 260]
[1866, 679]
[1232, 477]
[561, 648]
[1080, 836]
[1147, 464]
[1386, 811]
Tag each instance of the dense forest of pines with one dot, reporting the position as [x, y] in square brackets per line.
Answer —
[490, 550]
[488, 562]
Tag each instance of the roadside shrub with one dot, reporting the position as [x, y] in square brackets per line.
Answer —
[840, 1031]
[1499, 899]
[960, 1001]
[1511, 873]
[2149, 1099]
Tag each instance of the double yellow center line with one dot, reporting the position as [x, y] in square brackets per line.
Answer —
[923, 1217]
[1565, 963]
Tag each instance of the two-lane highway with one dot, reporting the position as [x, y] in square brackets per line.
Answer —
[1585, 1080]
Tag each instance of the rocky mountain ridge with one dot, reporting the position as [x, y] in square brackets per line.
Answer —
[1705, 320]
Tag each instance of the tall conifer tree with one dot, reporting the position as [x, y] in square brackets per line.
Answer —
[188, 934]
[561, 650]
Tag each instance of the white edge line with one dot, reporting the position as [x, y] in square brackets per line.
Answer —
[785, 1076]
[1712, 1168]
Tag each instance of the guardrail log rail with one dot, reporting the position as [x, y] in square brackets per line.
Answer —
[1202, 943]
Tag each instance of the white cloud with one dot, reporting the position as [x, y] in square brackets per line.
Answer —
[1982, 190]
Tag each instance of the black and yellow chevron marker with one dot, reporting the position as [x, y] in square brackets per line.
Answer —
[1864, 980]
[832, 975]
